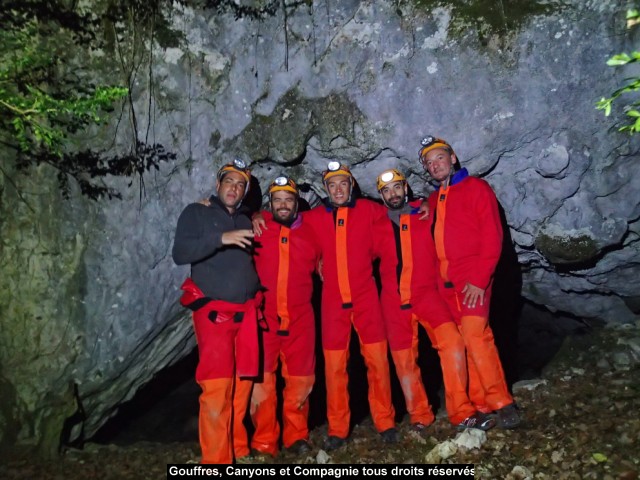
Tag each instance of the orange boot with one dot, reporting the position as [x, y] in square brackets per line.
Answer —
[410, 378]
[214, 422]
[447, 340]
[295, 408]
[338, 414]
[264, 402]
[241, 394]
[382, 411]
[483, 353]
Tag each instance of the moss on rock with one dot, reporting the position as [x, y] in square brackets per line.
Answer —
[488, 16]
[283, 135]
[566, 249]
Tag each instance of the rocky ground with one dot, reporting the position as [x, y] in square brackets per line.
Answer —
[581, 421]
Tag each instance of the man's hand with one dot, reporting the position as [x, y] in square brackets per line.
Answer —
[205, 201]
[241, 238]
[424, 210]
[471, 295]
[258, 223]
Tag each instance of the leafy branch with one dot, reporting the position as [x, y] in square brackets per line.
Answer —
[632, 85]
[44, 100]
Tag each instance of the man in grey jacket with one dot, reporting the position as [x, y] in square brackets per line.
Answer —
[224, 294]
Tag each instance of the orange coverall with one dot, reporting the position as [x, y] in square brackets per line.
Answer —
[285, 259]
[350, 238]
[411, 297]
[467, 237]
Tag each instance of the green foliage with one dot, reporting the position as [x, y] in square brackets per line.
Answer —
[39, 112]
[632, 84]
[44, 100]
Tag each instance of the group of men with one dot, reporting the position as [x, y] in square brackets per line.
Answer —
[435, 272]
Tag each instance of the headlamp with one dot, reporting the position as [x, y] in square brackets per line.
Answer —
[386, 177]
[389, 176]
[430, 143]
[280, 181]
[427, 140]
[333, 166]
[283, 183]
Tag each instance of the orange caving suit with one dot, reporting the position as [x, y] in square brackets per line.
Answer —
[350, 238]
[410, 297]
[467, 237]
[224, 294]
[285, 259]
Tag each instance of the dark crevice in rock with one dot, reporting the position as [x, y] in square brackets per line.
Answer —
[290, 163]
[175, 383]
[542, 333]
[633, 303]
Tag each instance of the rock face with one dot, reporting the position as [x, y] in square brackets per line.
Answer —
[89, 291]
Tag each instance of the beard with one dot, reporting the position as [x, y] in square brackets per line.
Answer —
[285, 216]
[395, 203]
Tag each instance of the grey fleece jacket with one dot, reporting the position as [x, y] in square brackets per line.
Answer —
[222, 272]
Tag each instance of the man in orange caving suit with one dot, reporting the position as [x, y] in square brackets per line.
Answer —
[352, 233]
[467, 237]
[286, 256]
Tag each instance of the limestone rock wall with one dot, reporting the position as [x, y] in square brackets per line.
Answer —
[89, 292]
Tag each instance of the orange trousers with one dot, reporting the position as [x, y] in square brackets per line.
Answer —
[223, 405]
[296, 353]
[448, 342]
[487, 385]
[295, 411]
[379, 394]
[410, 377]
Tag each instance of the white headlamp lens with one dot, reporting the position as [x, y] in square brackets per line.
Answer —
[386, 176]
[239, 164]
[333, 166]
[281, 181]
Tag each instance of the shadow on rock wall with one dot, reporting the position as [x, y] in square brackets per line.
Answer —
[506, 304]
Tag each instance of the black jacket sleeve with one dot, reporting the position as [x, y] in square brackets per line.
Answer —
[197, 235]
